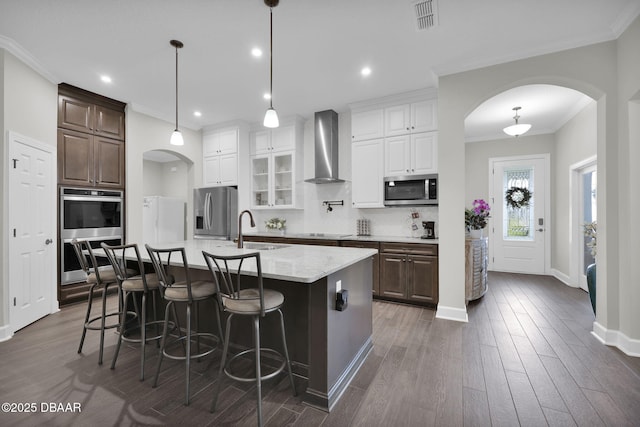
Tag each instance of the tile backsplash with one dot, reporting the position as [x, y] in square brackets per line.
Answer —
[315, 218]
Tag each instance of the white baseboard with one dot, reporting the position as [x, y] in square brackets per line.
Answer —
[452, 313]
[629, 346]
[5, 333]
[563, 278]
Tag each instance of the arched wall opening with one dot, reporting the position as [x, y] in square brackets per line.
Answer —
[564, 126]
[170, 174]
[460, 94]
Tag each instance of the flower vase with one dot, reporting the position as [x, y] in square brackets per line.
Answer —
[591, 285]
[476, 234]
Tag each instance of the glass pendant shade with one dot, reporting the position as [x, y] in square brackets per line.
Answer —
[517, 130]
[176, 138]
[271, 119]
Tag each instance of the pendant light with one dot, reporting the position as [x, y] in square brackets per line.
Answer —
[517, 129]
[176, 136]
[271, 117]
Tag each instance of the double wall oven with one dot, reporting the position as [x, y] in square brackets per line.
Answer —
[87, 214]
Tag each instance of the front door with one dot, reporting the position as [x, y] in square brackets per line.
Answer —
[519, 230]
[32, 214]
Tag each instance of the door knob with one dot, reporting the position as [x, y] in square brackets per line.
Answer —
[540, 229]
[48, 241]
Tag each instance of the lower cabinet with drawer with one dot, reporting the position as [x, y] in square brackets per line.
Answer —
[409, 272]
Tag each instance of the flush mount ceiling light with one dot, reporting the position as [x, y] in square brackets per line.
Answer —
[271, 117]
[517, 129]
[176, 136]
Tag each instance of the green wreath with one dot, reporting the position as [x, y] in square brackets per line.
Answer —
[518, 197]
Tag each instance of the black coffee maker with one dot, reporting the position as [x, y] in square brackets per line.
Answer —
[429, 230]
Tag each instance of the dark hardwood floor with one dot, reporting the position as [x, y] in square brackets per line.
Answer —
[526, 357]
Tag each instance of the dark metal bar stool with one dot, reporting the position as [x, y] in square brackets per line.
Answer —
[255, 302]
[186, 291]
[100, 278]
[130, 285]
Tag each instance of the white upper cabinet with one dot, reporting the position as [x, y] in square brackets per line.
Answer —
[221, 170]
[414, 154]
[410, 118]
[367, 125]
[367, 174]
[220, 142]
[220, 157]
[282, 138]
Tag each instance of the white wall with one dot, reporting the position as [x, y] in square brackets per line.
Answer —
[575, 141]
[629, 160]
[29, 107]
[166, 179]
[145, 133]
[477, 155]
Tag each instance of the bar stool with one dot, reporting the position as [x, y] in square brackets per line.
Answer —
[255, 302]
[182, 291]
[102, 277]
[130, 285]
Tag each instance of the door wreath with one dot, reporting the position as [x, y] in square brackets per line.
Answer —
[518, 197]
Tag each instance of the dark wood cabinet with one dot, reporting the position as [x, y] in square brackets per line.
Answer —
[78, 112]
[409, 272]
[89, 160]
[406, 272]
[91, 138]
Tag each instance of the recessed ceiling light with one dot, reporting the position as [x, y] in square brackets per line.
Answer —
[267, 96]
[197, 113]
[105, 79]
[256, 52]
[365, 71]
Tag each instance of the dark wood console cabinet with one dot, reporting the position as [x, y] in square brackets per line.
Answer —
[409, 272]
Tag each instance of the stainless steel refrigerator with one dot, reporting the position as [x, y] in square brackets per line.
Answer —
[216, 213]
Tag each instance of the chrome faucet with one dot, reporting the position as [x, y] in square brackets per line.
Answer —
[253, 224]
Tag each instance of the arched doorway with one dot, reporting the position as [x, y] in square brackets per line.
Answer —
[167, 173]
[563, 128]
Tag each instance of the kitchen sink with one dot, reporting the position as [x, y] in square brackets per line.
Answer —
[263, 246]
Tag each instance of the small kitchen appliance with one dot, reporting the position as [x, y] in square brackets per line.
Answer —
[429, 230]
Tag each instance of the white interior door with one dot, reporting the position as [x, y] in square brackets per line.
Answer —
[32, 242]
[518, 235]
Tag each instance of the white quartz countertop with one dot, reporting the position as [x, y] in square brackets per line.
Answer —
[296, 263]
[328, 236]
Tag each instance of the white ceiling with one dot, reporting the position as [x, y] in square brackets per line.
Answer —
[319, 49]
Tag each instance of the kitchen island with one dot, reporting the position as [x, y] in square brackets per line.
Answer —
[326, 346]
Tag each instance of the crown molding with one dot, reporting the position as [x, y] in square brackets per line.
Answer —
[23, 55]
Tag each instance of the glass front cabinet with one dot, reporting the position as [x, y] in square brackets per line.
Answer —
[275, 173]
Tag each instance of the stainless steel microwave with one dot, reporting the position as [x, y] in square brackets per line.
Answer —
[411, 190]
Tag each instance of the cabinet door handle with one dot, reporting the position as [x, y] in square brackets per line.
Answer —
[412, 127]
[407, 128]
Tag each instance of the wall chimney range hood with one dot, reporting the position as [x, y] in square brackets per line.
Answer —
[326, 148]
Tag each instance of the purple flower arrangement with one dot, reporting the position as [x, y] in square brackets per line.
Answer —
[477, 217]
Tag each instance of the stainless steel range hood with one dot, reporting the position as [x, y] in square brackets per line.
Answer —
[326, 148]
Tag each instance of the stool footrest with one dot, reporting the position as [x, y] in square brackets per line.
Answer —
[193, 355]
[279, 369]
[160, 323]
[92, 327]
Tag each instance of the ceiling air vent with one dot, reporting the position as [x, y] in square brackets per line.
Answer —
[426, 14]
